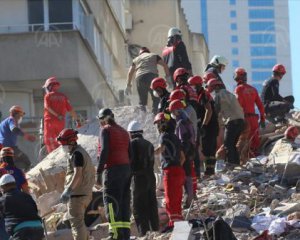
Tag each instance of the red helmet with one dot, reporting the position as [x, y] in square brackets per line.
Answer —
[158, 83]
[176, 105]
[161, 117]
[177, 94]
[51, 81]
[291, 132]
[6, 152]
[240, 74]
[143, 50]
[179, 72]
[195, 80]
[67, 136]
[16, 109]
[212, 83]
[279, 68]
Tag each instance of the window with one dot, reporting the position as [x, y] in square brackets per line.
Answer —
[36, 14]
[233, 26]
[263, 63]
[233, 13]
[260, 76]
[235, 63]
[262, 38]
[261, 13]
[258, 86]
[262, 26]
[234, 39]
[60, 11]
[263, 51]
[234, 51]
[260, 3]
[232, 2]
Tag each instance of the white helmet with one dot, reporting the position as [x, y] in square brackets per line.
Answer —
[174, 31]
[7, 178]
[134, 126]
[217, 60]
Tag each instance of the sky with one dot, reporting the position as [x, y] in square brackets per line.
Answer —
[294, 9]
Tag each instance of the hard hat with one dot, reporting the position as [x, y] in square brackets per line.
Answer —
[16, 109]
[162, 117]
[51, 81]
[177, 94]
[174, 31]
[6, 179]
[179, 72]
[195, 80]
[143, 50]
[176, 105]
[6, 152]
[212, 83]
[279, 68]
[240, 74]
[158, 83]
[218, 60]
[67, 136]
[134, 126]
[291, 132]
[104, 112]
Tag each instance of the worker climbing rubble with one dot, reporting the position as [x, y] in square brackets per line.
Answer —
[215, 67]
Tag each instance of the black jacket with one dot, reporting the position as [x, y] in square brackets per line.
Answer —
[270, 91]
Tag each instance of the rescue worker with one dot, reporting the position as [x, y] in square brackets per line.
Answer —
[145, 68]
[144, 182]
[208, 125]
[185, 132]
[276, 106]
[175, 54]
[7, 166]
[114, 163]
[9, 132]
[159, 88]
[215, 67]
[232, 114]
[171, 158]
[248, 97]
[56, 105]
[20, 212]
[80, 179]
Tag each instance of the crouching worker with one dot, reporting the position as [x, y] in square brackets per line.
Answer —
[20, 212]
[144, 183]
[80, 179]
[172, 159]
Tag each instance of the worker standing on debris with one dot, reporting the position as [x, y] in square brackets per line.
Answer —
[20, 212]
[114, 163]
[232, 114]
[248, 97]
[7, 166]
[9, 132]
[175, 54]
[172, 158]
[215, 67]
[159, 87]
[145, 67]
[276, 106]
[144, 182]
[56, 105]
[80, 179]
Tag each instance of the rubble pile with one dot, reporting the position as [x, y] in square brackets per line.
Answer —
[259, 198]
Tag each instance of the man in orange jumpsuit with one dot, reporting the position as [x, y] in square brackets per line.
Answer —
[56, 105]
[248, 97]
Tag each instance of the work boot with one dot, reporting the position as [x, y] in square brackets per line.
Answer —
[209, 166]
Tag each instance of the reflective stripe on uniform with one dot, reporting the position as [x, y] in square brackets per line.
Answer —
[113, 225]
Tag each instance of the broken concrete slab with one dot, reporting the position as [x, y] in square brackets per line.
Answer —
[181, 231]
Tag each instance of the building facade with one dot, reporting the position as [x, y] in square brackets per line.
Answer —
[253, 34]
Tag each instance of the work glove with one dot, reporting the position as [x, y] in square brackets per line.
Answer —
[203, 130]
[66, 195]
[170, 81]
[262, 124]
[128, 90]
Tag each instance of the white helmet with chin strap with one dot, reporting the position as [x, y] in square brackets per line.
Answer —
[218, 60]
[174, 31]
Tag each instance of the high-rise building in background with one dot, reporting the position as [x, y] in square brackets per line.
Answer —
[253, 34]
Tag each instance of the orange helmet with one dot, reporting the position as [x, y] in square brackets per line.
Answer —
[212, 83]
[176, 105]
[16, 109]
[67, 136]
[177, 94]
[195, 80]
[279, 68]
[291, 132]
[158, 83]
[7, 152]
[51, 81]
[162, 117]
[179, 72]
[143, 50]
